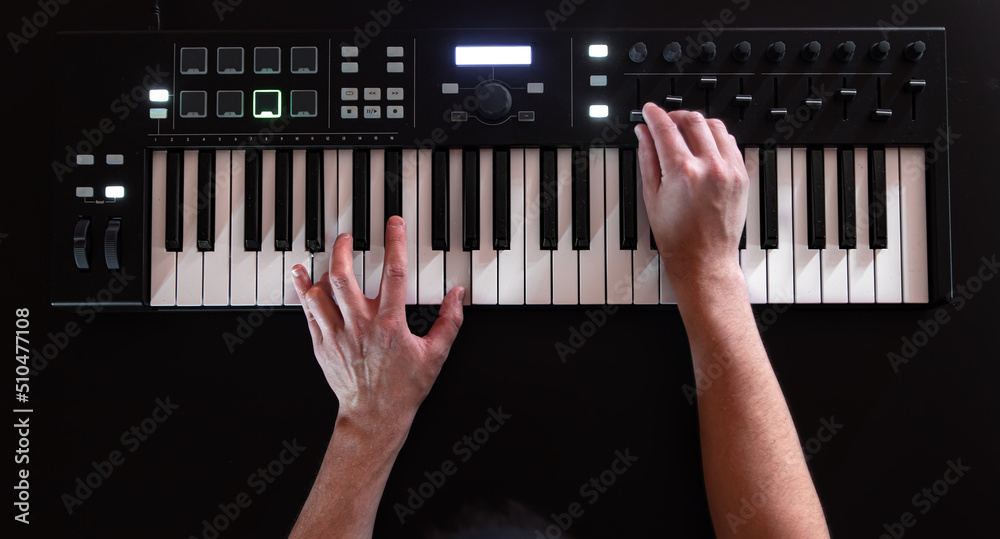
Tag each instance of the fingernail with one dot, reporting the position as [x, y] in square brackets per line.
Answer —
[396, 220]
[638, 133]
[345, 236]
[295, 271]
[461, 294]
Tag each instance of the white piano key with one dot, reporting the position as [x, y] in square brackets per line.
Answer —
[484, 259]
[537, 261]
[217, 261]
[753, 258]
[645, 263]
[162, 263]
[299, 254]
[190, 262]
[345, 209]
[780, 261]
[270, 276]
[592, 263]
[861, 259]
[833, 259]
[913, 225]
[808, 284]
[410, 218]
[565, 261]
[619, 262]
[888, 272]
[430, 263]
[667, 295]
[243, 263]
[458, 263]
[331, 203]
[375, 254]
[511, 262]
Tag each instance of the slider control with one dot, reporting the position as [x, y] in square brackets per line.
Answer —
[81, 243]
[111, 244]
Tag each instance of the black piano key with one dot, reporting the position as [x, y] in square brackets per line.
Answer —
[879, 236]
[251, 220]
[743, 237]
[470, 200]
[439, 200]
[768, 199]
[815, 195]
[548, 204]
[394, 183]
[206, 201]
[315, 220]
[846, 202]
[173, 238]
[283, 200]
[501, 199]
[581, 199]
[361, 199]
[627, 199]
[652, 240]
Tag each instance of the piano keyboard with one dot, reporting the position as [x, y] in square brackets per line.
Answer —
[509, 153]
[515, 226]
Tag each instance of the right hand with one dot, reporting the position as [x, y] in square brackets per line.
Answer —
[695, 188]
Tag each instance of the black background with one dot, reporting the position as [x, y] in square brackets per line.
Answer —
[621, 390]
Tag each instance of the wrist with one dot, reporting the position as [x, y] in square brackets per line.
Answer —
[376, 437]
[708, 280]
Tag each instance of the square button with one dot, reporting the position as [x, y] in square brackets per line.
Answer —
[598, 80]
[349, 112]
[304, 60]
[394, 67]
[303, 104]
[266, 60]
[394, 94]
[266, 103]
[84, 159]
[349, 52]
[194, 60]
[115, 159]
[348, 67]
[230, 60]
[394, 52]
[194, 104]
[373, 111]
[536, 87]
[394, 111]
[349, 94]
[158, 113]
[373, 94]
[229, 104]
[449, 88]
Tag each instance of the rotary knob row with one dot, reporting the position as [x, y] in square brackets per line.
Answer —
[810, 52]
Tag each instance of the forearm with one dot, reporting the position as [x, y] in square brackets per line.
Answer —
[750, 449]
[347, 490]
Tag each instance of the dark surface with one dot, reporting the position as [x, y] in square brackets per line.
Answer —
[240, 396]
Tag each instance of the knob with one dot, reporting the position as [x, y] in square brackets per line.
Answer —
[672, 52]
[741, 52]
[811, 50]
[707, 52]
[879, 51]
[776, 51]
[915, 51]
[845, 51]
[494, 100]
[637, 53]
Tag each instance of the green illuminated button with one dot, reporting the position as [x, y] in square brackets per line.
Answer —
[266, 103]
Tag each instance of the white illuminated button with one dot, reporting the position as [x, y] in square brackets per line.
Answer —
[598, 111]
[373, 94]
[115, 159]
[394, 52]
[349, 112]
[159, 96]
[349, 67]
[449, 88]
[598, 80]
[598, 51]
[373, 112]
[114, 191]
[536, 87]
[84, 159]
[394, 94]
[394, 111]
[394, 67]
[349, 52]
[349, 94]
[84, 192]
[158, 114]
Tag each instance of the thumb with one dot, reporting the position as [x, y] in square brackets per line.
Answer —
[442, 334]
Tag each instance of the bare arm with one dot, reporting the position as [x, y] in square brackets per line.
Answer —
[695, 187]
[380, 373]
